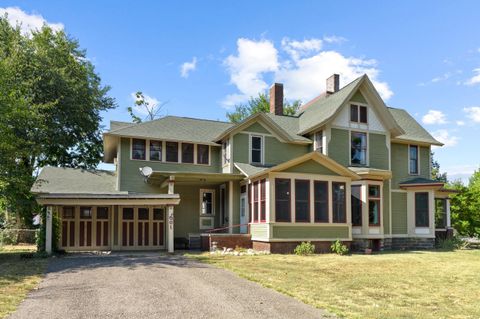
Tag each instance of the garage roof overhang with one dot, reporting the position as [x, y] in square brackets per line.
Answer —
[108, 199]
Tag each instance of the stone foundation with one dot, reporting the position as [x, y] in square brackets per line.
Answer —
[362, 244]
[411, 243]
[289, 247]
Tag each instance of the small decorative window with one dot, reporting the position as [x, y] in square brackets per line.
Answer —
[358, 148]
[143, 214]
[102, 212]
[318, 141]
[138, 149]
[203, 154]
[158, 214]
[358, 114]
[68, 212]
[413, 159]
[85, 212]
[374, 205]
[172, 152]
[256, 149]
[127, 213]
[187, 153]
[155, 150]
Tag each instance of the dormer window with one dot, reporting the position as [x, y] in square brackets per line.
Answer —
[358, 113]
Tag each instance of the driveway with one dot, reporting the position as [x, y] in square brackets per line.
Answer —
[152, 286]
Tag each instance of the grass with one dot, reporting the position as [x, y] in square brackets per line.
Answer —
[17, 276]
[431, 284]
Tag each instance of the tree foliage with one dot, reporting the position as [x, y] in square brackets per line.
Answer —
[258, 104]
[50, 105]
[435, 173]
[465, 206]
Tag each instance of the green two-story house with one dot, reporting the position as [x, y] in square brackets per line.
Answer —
[345, 167]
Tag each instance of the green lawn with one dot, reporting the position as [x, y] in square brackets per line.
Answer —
[17, 276]
[389, 285]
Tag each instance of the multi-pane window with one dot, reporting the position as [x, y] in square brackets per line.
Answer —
[421, 210]
[85, 212]
[226, 152]
[440, 213]
[358, 148]
[255, 202]
[68, 212]
[172, 151]
[413, 156]
[127, 213]
[339, 202]
[356, 202]
[143, 213]
[138, 149]
[318, 141]
[358, 113]
[155, 150]
[187, 153]
[282, 200]
[203, 154]
[263, 208]
[302, 200]
[374, 205]
[320, 194]
[256, 149]
[102, 212]
[207, 203]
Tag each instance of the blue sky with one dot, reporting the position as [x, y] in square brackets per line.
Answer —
[203, 57]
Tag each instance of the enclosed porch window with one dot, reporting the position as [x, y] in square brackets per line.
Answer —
[339, 202]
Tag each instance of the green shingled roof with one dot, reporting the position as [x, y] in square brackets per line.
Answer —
[176, 129]
[323, 109]
[115, 125]
[56, 180]
[290, 124]
[250, 170]
[413, 131]
[420, 180]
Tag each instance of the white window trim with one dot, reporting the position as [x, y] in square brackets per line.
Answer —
[203, 191]
[262, 148]
[367, 137]
[418, 160]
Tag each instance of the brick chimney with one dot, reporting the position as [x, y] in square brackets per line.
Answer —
[333, 84]
[276, 99]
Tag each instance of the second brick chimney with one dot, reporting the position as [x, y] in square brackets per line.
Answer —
[276, 99]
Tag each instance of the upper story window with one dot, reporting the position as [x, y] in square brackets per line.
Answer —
[155, 150]
[172, 151]
[358, 153]
[226, 152]
[138, 149]
[203, 154]
[358, 113]
[318, 141]
[256, 144]
[187, 153]
[413, 159]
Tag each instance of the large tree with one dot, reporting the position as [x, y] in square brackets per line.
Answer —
[50, 104]
[435, 172]
[259, 104]
[465, 206]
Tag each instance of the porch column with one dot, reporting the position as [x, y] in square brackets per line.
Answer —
[447, 208]
[230, 207]
[170, 217]
[48, 230]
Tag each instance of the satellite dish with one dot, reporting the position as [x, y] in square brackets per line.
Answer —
[146, 171]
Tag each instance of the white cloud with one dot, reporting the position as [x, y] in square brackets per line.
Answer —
[444, 137]
[434, 117]
[188, 67]
[473, 113]
[28, 22]
[460, 123]
[303, 68]
[253, 59]
[475, 79]
[152, 103]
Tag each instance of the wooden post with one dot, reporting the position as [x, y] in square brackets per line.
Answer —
[170, 217]
[48, 230]
[230, 206]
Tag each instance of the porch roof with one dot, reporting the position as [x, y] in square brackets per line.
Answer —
[422, 182]
[192, 178]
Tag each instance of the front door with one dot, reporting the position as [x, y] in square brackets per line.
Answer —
[243, 213]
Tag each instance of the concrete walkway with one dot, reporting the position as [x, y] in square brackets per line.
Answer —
[152, 286]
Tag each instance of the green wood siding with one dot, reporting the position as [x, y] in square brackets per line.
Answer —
[359, 98]
[399, 213]
[311, 167]
[257, 128]
[259, 231]
[236, 206]
[131, 180]
[339, 146]
[378, 151]
[240, 148]
[311, 232]
[386, 208]
[400, 164]
[277, 152]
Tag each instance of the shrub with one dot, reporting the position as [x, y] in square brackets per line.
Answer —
[338, 248]
[8, 237]
[305, 248]
[451, 243]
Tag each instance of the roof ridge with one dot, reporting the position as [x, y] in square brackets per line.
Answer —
[190, 118]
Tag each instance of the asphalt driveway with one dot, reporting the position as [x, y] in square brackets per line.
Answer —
[152, 286]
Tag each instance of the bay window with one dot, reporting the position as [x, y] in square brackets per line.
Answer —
[356, 202]
[339, 202]
[374, 205]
